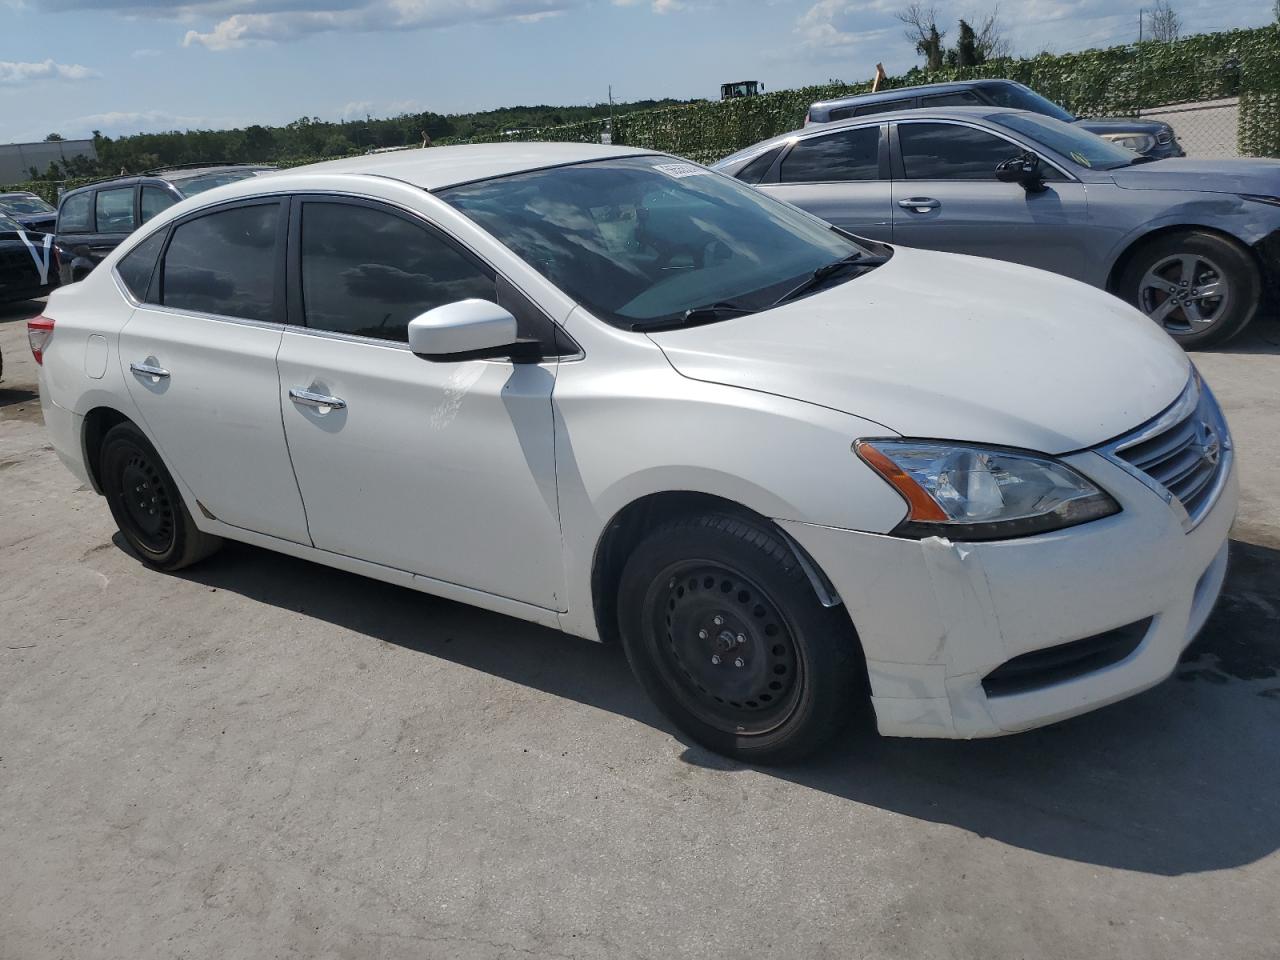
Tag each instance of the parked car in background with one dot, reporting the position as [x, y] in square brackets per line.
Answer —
[28, 262]
[29, 210]
[93, 219]
[1191, 243]
[1152, 138]
[606, 390]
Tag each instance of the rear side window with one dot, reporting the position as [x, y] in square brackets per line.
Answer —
[369, 272]
[136, 266]
[754, 171]
[949, 151]
[114, 210]
[224, 263]
[960, 98]
[76, 214]
[836, 157]
[154, 200]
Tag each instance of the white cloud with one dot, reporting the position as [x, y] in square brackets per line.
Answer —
[293, 19]
[124, 122]
[15, 73]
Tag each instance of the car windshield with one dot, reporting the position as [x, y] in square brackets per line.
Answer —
[1018, 97]
[1085, 148]
[642, 240]
[9, 226]
[190, 186]
[21, 205]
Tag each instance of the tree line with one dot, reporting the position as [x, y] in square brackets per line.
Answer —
[312, 137]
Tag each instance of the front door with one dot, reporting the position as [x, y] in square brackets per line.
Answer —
[199, 360]
[839, 177]
[946, 197]
[446, 470]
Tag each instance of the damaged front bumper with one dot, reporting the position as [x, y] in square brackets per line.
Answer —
[935, 618]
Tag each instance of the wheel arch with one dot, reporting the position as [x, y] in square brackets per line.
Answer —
[628, 526]
[1134, 245]
[96, 424]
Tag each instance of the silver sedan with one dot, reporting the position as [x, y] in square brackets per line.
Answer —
[1191, 243]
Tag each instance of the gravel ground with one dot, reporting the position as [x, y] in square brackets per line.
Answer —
[261, 757]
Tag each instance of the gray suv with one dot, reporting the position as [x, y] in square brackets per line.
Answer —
[1152, 138]
[1191, 243]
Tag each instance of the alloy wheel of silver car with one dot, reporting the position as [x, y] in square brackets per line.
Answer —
[1184, 293]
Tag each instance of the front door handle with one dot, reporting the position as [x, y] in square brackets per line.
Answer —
[146, 369]
[920, 204]
[307, 398]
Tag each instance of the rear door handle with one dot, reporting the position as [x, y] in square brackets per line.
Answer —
[920, 204]
[145, 369]
[307, 398]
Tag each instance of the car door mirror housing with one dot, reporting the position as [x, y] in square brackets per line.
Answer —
[469, 330]
[1023, 169]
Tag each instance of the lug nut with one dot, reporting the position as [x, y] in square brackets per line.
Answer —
[702, 634]
[742, 638]
[739, 663]
[715, 659]
[718, 620]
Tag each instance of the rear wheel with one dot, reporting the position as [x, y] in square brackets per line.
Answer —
[724, 632]
[1201, 288]
[146, 504]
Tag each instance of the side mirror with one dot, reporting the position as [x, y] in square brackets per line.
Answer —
[469, 330]
[1023, 169]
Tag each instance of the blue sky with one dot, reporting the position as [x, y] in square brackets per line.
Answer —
[122, 66]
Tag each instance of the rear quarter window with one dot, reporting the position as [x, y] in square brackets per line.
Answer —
[137, 266]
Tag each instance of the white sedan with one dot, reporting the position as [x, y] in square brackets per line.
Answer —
[609, 391]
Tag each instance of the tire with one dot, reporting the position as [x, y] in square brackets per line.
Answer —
[1166, 279]
[724, 632]
[146, 504]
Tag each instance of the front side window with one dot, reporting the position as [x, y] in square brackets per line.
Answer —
[949, 151]
[641, 240]
[1018, 97]
[76, 214]
[959, 98]
[835, 157]
[224, 263]
[154, 200]
[137, 266]
[1085, 148]
[114, 210]
[369, 272]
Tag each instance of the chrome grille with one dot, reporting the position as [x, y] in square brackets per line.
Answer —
[1184, 453]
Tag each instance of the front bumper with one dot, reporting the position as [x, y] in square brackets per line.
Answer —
[935, 617]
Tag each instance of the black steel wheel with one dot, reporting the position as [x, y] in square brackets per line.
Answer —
[146, 504]
[725, 633]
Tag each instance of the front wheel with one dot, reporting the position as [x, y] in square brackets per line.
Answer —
[1201, 288]
[724, 632]
[146, 504]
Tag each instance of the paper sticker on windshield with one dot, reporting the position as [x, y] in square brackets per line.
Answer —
[1080, 158]
[680, 170]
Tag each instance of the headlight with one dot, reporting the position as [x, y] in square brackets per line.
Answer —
[966, 492]
[1137, 142]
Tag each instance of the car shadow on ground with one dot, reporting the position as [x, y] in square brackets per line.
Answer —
[1262, 336]
[1181, 779]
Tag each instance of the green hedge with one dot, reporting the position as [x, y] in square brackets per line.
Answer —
[1116, 81]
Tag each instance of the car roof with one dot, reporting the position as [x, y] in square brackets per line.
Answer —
[897, 93]
[434, 168]
[175, 175]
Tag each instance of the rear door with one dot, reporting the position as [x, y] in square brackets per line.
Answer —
[946, 197]
[199, 358]
[842, 177]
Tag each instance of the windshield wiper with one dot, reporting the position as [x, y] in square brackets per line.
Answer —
[696, 316]
[826, 272]
[1137, 160]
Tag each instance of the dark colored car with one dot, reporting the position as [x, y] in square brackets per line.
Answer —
[29, 210]
[28, 262]
[1152, 138]
[93, 219]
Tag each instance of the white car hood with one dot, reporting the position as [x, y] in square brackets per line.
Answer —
[941, 346]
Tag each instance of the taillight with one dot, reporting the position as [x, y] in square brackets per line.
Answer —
[39, 333]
